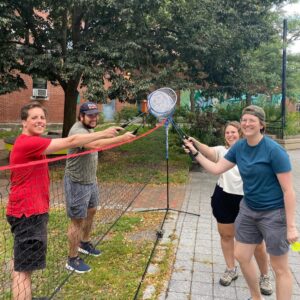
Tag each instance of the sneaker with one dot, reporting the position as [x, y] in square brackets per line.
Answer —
[265, 285]
[77, 264]
[228, 276]
[88, 248]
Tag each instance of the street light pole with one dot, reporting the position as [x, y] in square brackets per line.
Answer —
[283, 79]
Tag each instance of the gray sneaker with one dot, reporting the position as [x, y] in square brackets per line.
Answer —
[229, 276]
[265, 285]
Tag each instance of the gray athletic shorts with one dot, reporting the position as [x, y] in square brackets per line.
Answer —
[251, 227]
[80, 197]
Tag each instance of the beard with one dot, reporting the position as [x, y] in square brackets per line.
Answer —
[88, 126]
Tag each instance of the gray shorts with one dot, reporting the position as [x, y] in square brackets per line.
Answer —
[251, 227]
[80, 197]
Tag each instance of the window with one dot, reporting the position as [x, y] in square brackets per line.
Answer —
[39, 90]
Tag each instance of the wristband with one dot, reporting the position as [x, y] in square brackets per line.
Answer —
[196, 154]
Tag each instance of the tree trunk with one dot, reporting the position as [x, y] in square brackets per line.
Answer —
[71, 95]
[248, 99]
[192, 99]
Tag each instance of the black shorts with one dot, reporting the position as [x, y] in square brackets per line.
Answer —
[225, 206]
[30, 242]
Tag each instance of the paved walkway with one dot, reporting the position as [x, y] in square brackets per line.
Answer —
[199, 261]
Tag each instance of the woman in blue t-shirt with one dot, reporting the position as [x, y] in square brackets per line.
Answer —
[267, 211]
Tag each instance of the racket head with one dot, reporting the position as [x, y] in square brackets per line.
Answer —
[162, 102]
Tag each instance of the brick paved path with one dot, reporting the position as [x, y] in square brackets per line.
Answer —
[199, 261]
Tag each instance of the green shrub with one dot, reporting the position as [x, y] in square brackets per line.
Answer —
[126, 113]
[9, 133]
[205, 126]
[292, 123]
[230, 112]
[101, 118]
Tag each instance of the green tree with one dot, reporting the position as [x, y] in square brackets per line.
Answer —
[71, 43]
[213, 42]
[293, 77]
[177, 43]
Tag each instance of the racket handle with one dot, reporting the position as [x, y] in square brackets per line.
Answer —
[190, 153]
[191, 156]
[123, 126]
[135, 131]
[185, 137]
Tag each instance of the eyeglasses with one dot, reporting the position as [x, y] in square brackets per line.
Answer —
[250, 121]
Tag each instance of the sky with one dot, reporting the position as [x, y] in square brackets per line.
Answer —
[290, 10]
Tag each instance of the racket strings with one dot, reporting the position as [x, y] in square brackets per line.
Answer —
[161, 103]
[170, 92]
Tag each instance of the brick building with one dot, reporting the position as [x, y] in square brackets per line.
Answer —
[10, 104]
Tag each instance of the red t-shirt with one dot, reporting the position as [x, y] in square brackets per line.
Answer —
[29, 191]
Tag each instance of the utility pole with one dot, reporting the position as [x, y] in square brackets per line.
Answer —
[283, 78]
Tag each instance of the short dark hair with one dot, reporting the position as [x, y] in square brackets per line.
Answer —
[31, 105]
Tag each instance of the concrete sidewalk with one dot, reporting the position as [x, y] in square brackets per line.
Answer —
[199, 261]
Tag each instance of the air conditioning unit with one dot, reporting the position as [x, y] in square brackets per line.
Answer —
[39, 93]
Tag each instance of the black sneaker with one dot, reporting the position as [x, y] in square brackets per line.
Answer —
[78, 265]
[88, 248]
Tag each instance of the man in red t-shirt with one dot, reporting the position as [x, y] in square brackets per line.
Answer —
[28, 205]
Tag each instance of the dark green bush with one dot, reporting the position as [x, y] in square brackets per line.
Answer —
[292, 123]
[126, 113]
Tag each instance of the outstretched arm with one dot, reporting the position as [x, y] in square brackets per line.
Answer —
[78, 140]
[207, 151]
[217, 168]
[110, 141]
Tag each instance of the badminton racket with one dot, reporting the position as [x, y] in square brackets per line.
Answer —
[183, 136]
[161, 104]
[180, 132]
[135, 119]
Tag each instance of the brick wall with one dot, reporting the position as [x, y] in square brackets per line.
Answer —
[10, 104]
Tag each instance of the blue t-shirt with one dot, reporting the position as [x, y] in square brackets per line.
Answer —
[258, 166]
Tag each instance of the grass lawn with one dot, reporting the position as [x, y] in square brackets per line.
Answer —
[116, 274]
[145, 158]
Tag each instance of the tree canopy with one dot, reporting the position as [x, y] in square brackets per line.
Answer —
[178, 43]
